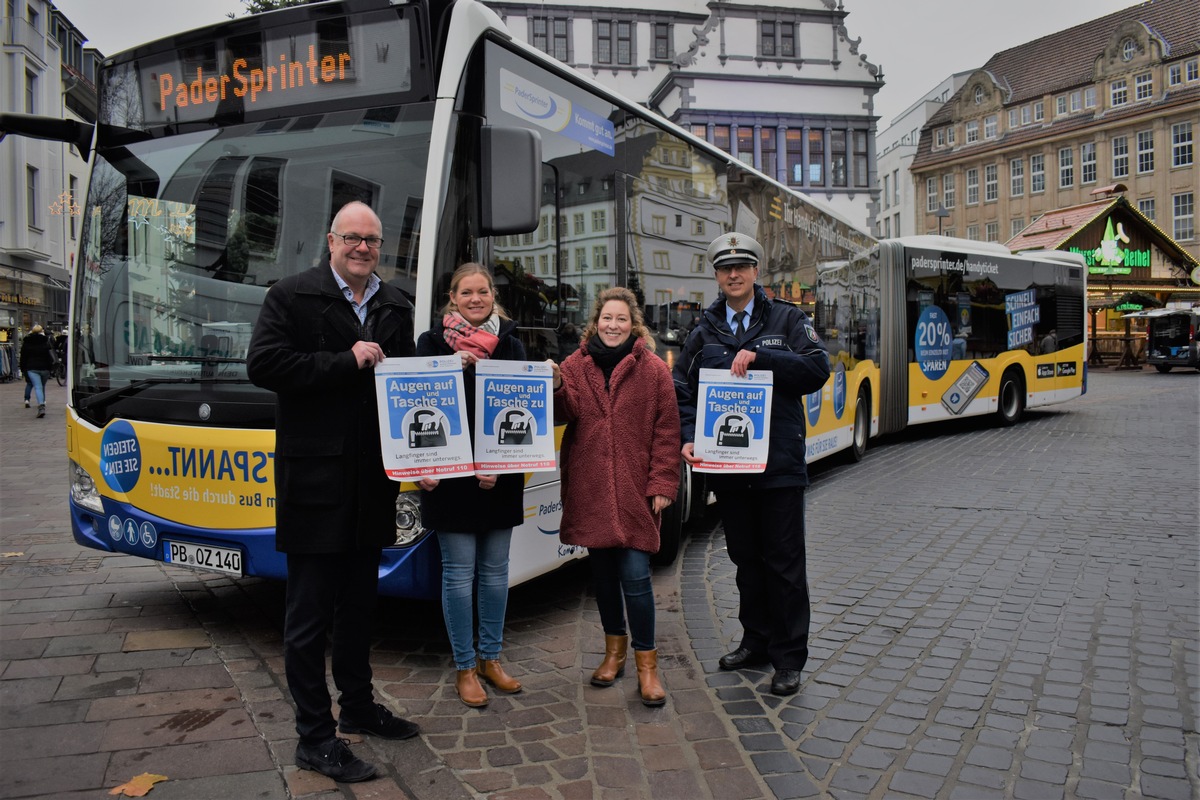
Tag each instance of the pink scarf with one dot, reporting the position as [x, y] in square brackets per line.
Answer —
[462, 335]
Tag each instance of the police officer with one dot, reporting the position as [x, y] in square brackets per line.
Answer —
[763, 513]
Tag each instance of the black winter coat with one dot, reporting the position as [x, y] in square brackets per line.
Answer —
[36, 353]
[784, 342]
[332, 494]
[458, 505]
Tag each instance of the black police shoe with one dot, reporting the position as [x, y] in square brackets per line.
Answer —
[378, 721]
[785, 681]
[743, 657]
[334, 759]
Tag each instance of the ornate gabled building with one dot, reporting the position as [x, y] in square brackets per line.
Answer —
[782, 87]
[1042, 125]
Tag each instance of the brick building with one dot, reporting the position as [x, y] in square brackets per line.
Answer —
[1043, 125]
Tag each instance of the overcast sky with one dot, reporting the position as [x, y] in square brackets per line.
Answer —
[917, 42]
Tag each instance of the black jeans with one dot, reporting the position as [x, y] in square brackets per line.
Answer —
[764, 531]
[323, 590]
[623, 587]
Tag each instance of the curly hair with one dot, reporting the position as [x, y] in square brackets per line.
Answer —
[637, 319]
[473, 268]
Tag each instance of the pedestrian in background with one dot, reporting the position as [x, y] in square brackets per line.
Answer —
[317, 340]
[474, 516]
[36, 360]
[620, 470]
[762, 514]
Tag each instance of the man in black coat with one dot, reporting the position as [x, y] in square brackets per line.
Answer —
[318, 337]
[762, 514]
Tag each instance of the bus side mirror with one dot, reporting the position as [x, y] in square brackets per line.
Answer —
[510, 179]
[51, 128]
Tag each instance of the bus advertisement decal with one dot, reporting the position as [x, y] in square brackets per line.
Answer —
[528, 101]
[186, 475]
[963, 390]
[933, 342]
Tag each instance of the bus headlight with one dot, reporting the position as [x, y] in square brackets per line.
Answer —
[83, 489]
[409, 530]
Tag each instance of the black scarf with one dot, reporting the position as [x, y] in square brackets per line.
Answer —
[606, 357]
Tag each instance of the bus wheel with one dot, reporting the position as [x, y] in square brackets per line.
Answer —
[670, 532]
[670, 536]
[1012, 398]
[862, 425]
[1163, 367]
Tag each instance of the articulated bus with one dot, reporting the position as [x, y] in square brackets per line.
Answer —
[929, 328]
[221, 154]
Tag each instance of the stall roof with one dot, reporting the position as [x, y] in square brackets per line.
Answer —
[1054, 229]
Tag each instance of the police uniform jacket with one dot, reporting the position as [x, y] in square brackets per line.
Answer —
[784, 341]
[620, 449]
[332, 494]
[459, 505]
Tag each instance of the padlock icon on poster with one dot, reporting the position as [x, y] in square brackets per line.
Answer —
[515, 428]
[734, 432]
[426, 430]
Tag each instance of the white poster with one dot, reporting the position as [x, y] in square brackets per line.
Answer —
[733, 421]
[514, 416]
[422, 418]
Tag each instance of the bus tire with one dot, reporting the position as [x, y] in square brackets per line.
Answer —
[1011, 399]
[1164, 368]
[862, 426]
[677, 516]
[670, 536]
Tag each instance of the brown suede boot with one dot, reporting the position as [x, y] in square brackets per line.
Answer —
[469, 690]
[650, 686]
[613, 665]
[491, 671]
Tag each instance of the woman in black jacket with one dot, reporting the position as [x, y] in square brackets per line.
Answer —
[474, 516]
[36, 360]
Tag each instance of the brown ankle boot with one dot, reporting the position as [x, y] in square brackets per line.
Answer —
[491, 671]
[613, 665]
[469, 690]
[650, 686]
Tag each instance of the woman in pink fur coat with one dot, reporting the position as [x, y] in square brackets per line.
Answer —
[620, 469]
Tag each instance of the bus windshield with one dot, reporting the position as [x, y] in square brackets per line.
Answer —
[188, 224]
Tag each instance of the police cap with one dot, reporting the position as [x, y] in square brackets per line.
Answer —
[734, 248]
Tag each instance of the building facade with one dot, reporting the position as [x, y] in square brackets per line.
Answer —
[1049, 124]
[781, 87]
[44, 70]
[896, 147]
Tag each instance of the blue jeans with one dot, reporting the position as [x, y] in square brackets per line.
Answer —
[36, 383]
[475, 564]
[623, 587]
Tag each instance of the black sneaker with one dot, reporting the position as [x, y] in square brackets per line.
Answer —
[378, 722]
[334, 759]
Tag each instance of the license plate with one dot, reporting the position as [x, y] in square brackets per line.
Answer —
[203, 556]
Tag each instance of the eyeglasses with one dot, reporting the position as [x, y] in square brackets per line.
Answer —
[354, 240]
[731, 267]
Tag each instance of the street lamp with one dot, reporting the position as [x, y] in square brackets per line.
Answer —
[941, 214]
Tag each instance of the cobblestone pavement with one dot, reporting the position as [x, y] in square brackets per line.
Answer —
[997, 613]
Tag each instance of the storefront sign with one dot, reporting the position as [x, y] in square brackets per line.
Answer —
[1111, 257]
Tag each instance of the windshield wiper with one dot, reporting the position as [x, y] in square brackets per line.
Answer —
[134, 387]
